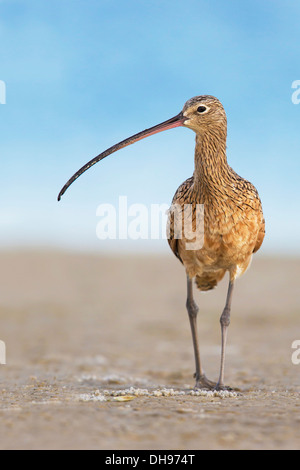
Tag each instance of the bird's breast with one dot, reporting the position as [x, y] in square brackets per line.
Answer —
[221, 228]
[224, 238]
[230, 230]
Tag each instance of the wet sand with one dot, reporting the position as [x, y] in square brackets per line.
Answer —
[80, 328]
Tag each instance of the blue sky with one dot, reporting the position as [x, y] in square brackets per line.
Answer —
[83, 75]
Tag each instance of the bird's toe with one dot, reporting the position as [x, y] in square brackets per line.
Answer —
[203, 383]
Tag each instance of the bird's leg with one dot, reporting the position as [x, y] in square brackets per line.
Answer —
[225, 321]
[192, 308]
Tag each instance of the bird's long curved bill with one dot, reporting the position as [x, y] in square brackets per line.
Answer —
[176, 121]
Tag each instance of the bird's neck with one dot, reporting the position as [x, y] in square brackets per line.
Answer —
[211, 165]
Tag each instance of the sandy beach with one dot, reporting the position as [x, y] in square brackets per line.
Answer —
[81, 329]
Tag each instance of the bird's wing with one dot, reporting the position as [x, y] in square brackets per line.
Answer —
[260, 236]
[179, 198]
[250, 197]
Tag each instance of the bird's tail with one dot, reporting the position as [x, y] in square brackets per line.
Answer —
[208, 281]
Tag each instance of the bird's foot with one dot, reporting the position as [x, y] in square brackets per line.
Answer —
[223, 387]
[203, 383]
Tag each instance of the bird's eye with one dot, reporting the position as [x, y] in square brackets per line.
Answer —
[202, 109]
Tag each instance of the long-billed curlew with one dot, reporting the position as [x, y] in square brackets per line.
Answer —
[234, 226]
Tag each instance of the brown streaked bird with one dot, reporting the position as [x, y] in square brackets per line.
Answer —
[233, 225]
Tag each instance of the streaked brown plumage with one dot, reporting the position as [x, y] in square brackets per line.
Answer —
[233, 218]
[233, 227]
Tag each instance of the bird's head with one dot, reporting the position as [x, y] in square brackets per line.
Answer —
[203, 113]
